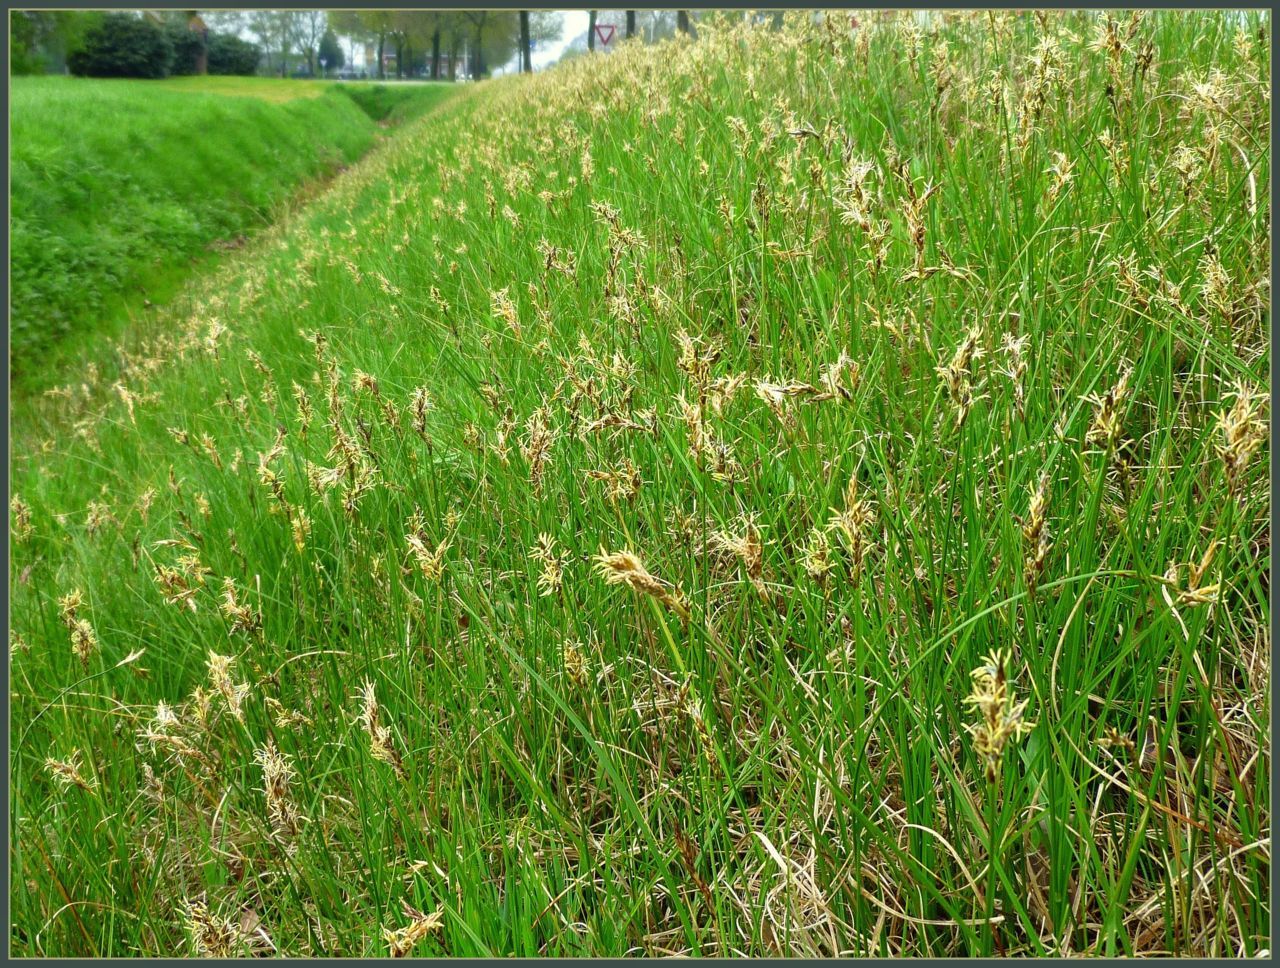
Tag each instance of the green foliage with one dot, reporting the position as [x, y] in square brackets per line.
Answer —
[331, 51]
[888, 353]
[187, 46]
[25, 30]
[40, 40]
[229, 54]
[124, 45]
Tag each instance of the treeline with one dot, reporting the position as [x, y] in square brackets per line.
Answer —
[99, 44]
[415, 43]
[443, 44]
[406, 43]
[436, 44]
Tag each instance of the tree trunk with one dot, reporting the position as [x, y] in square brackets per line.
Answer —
[453, 58]
[682, 21]
[478, 58]
[526, 56]
[591, 31]
[435, 55]
[195, 25]
[399, 59]
[631, 24]
[382, 71]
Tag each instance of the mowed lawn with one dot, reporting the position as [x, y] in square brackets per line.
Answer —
[797, 491]
[278, 90]
[273, 89]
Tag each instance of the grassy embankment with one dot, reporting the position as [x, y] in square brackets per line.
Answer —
[881, 352]
[118, 187]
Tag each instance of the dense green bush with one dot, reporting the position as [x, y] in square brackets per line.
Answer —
[25, 56]
[123, 46]
[229, 54]
[187, 47]
[331, 51]
[41, 40]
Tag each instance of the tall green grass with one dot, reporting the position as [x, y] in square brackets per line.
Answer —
[805, 320]
[117, 185]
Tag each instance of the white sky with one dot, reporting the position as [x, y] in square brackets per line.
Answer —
[573, 25]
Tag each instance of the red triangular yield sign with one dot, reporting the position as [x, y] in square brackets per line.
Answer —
[601, 32]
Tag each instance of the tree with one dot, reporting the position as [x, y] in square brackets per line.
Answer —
[189, 36]
[591, 30]
[525, 46]
[229, 54]
[271, 28]
[122, 45]
[378, 24]
[331, 52]
[29, 32]
[188, 49]
[399, 37]
[350, 24]
[436, 29]
[310, 26]
[288, 28]
[455, 42]
[411, 30]
[478, 19]
[655, 25]
[41, 40]
[279, 31]
[226, 21]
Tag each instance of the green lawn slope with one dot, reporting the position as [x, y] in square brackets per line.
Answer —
[117, 185]
[789, 492]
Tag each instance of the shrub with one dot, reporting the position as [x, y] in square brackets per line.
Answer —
[25, 56]
[40, 40]
[229, 54]
[187, 47]
[331, 52]
[123, 46]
